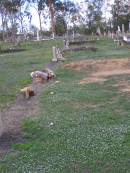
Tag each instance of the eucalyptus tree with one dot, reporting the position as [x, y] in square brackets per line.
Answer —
[93, 16]
[60, 26]
[3, 17]
[67, 8]
[71, 12]
[22, 15]
[7, 9]
[54, 7]
[12, 8]
[39, 6]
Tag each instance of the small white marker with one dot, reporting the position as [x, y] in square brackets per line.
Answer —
[57, 81]
[51, 124]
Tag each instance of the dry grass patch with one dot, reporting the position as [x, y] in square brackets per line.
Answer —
[92, 80]
[99, 70]
[99, 65]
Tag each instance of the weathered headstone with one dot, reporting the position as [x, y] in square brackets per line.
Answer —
[59, 55]
[119, 30]
[38, 35]
[98, 31]
[123, 28]
[66, 44]
[73, 34]
[54, 54]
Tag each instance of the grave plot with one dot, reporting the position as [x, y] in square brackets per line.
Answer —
[79, 45]
[99, 71]
[11, 50]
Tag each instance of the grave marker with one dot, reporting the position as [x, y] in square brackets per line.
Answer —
[123, 28]
[54, 54]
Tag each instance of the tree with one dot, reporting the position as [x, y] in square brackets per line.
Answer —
[60, 26]
[2, 12]
[71, 13]
[39, 6]
[55, 8]
[93, 15]
[120, 14]
[7, 10]
[12, 7]
[21, 15]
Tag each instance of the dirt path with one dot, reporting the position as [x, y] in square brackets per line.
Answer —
[13, 117]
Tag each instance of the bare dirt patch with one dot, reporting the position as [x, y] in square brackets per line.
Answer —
[97, 65]
[123, 86]
[99, 70]
[92, 80]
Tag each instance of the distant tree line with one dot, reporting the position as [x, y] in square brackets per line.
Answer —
[15, 13]
[64, 15]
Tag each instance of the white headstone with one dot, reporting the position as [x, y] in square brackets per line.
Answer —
[54, 51]
[119, 30]
[38, 35]
[73, 34]
[99, 31]
[123, 28]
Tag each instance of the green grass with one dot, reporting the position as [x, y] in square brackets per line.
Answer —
[106, 49]
[91, 131]
[15, 68]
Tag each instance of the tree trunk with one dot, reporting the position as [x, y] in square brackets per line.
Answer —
[21, 21]
[3, 28]
[40, 22]
[22, 28]
[52, 18]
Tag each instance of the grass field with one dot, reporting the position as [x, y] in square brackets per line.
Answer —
[15, 68]
[91, 131]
